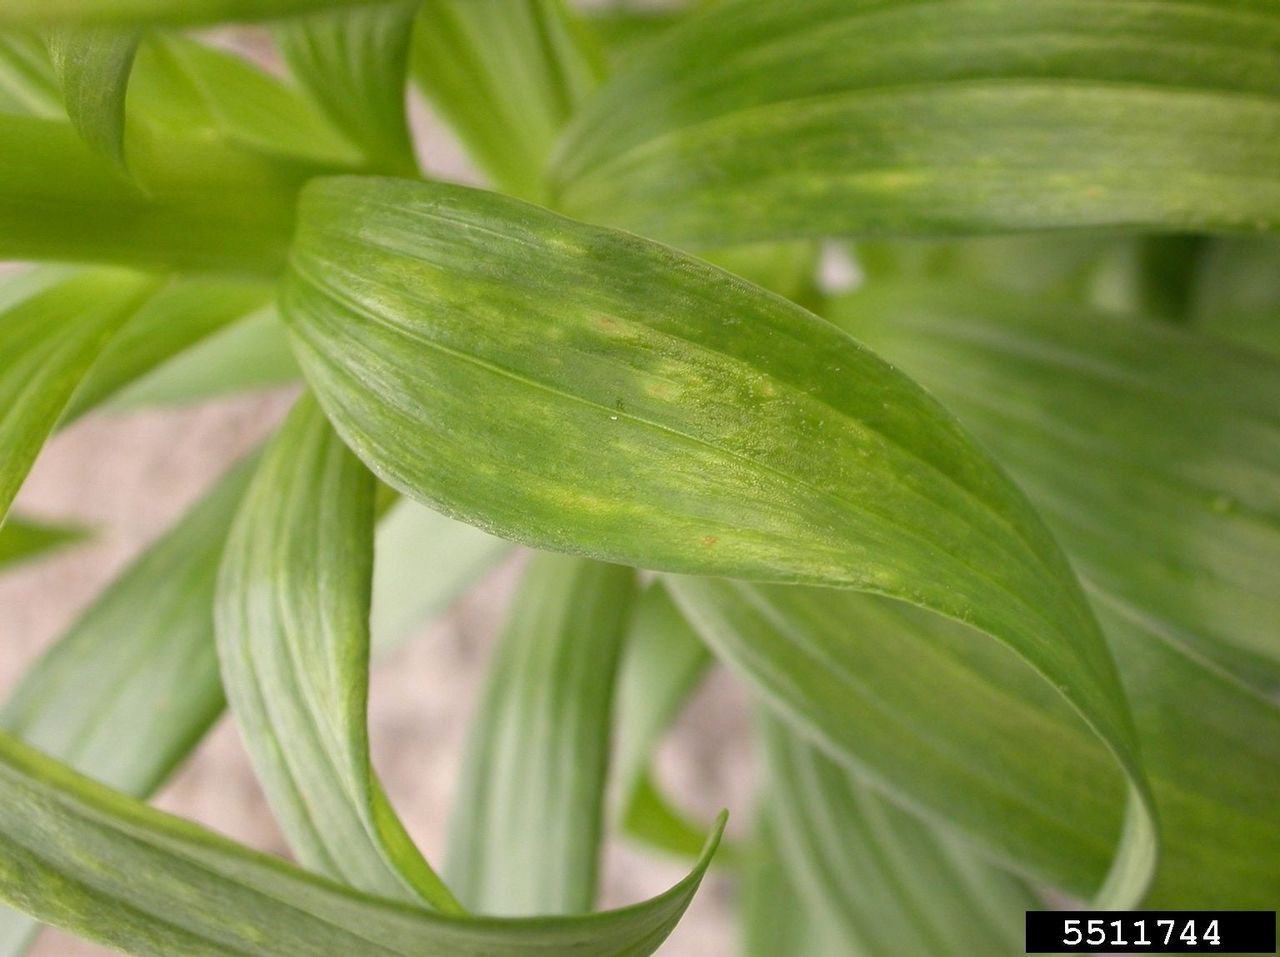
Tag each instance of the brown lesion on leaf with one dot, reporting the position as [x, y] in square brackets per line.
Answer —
[710, 541]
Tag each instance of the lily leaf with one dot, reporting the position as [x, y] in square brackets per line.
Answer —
[50, 335]
[354, 63]
[69, 703]
[123, 699]
[580, 389]
[663, 662]
[217, 150]
[890, 883]
[83, 857]
[292, 617]
[22, 540]
[28, 83]
[93, 66]
[758, 120]
[506, 77]
[1152, 451]
[178, 316]
[527, 827]
[246, 355]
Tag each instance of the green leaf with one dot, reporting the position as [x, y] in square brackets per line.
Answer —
[1152, 452]
[28, 83]
[250, 354]
[776, 921]
[292, 617]
[93, 66]
[761, 120]
[663, 662]
[217, 148]
[625, 29]
[354, 63]
[69, 704]
[22, 540]
[48, 341]
[1237, 292]
[506, 76]
[88, 859]
[584, 390]
[82, 12]
[527, 825]
[889, 882]
[179, 315]
[423, 561]
[124, 697]
[915, 702]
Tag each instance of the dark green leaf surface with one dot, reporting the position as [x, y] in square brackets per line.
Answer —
[763, 120]
[92, 66]
[1152, 451]
[890, 883]
[528, 821]
[293, 638]
[506, 76]
[78, 855]
[1237, 294]
[584, 390]
[22, 540]
[354, 63]
[158, 11]
[50, 334]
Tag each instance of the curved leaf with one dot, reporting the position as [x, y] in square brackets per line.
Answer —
[585, 390]
[93, 66]
[292, 617]
[78, 855]
[526, 832]
[506, 77]
[953, 727]
[763, 120]
[50, 334]
[1153, 452]
[125, 699]
[354, 64]
[890, 883]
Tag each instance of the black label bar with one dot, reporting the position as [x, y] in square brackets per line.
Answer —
[1152, 932]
